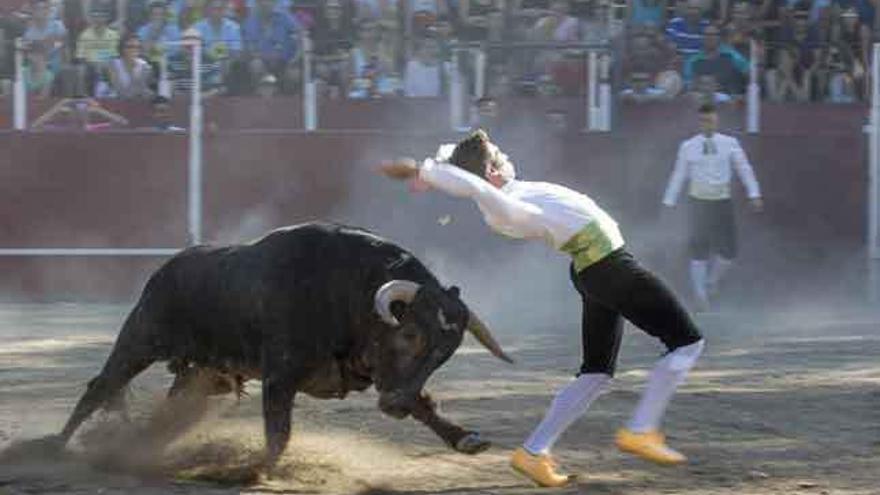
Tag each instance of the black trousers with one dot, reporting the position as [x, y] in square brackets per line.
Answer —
[713, 229]
[615, 288]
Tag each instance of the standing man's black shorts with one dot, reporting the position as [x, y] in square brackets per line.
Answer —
[713, 229]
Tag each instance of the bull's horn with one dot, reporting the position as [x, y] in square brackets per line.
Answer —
[395, 290]
[482, 334]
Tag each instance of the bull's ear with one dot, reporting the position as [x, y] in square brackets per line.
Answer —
[453, 291]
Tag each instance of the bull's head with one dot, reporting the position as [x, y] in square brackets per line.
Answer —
[427, 325]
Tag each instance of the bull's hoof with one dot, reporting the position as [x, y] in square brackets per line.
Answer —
[471, 444]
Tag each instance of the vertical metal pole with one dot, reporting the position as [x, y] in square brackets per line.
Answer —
[310, 91]
[19, 91]
[456, 94]
[195, 147]
[874, 165]
[753, 95]
[605, 92]
[592, 77]
[164, 84]
[480, 79]
[873, 281]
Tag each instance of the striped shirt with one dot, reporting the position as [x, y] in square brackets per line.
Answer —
[687, 40]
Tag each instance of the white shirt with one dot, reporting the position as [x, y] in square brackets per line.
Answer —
[524, 210]
[707, 163]
[421, 80]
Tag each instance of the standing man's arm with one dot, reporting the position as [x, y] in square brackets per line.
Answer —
[677, 179]
[746, 175]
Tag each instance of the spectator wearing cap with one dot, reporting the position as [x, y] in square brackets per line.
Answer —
[131, 77]
[158, 32]
[727, 66]
[686, 32]
[270, 37]
[221, 36]
[45, 31]
[98, 44]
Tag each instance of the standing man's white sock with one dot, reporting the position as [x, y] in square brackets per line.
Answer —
[699, 275]
[666, 376]
[569, 404]
[720, 266]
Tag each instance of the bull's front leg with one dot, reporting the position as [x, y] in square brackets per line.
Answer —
[282, 372]
[461, 440]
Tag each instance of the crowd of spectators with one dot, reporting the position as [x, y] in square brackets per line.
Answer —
[805, 50]
[808, 50]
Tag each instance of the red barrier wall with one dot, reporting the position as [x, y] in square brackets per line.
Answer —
[129, 189]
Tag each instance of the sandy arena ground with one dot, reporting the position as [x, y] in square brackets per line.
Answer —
[788, 404]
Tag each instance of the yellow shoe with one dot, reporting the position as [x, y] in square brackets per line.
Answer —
[539, 468]
[650, 446]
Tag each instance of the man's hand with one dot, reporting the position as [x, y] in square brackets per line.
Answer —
[400, 169]
[757, 204]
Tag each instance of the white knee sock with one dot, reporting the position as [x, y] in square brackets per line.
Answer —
[569, 404]
[720, 265]
[666, 376]
[699, 274]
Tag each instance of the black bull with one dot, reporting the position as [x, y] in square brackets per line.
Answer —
[318, 308]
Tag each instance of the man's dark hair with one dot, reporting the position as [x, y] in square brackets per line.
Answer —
[707, 108]
[471, 152]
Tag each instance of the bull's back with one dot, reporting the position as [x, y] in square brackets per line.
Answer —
[317, 278]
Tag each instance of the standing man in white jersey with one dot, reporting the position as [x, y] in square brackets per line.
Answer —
[612, 285]
[706, 159]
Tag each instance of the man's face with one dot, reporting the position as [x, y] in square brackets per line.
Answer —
[850, 21]
[216, 10]
[266, 6]
[98, 20]
[157, 14]
[711, 39]
[708, 123]
[693, 12]
[333, 9]
[41, 11]
[742, 13]
[641, 44]
[559, 8]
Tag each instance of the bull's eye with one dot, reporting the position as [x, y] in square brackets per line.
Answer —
[445, 325]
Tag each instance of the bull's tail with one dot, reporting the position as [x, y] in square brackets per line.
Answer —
[133, 353]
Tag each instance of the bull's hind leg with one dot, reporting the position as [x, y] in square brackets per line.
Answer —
[107, 387]
[132, 354]
[464, 441]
